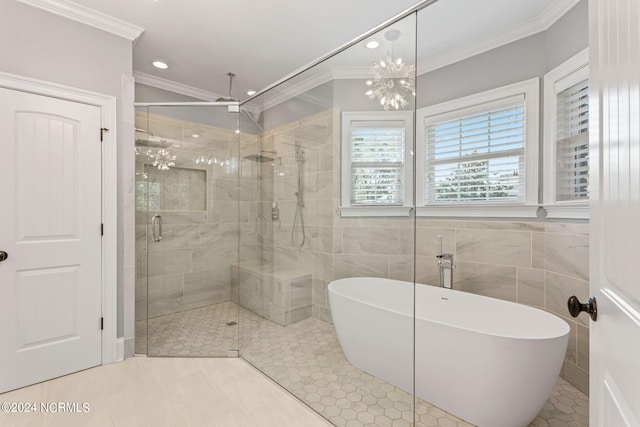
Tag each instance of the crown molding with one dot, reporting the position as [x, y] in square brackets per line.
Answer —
[88, 16]
[171, 86]
[555, 11]
[286, 91]
[537, 24]
[352, 72]
[282, 93]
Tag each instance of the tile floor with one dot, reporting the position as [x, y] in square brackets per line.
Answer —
[307, 360]
[164, 392]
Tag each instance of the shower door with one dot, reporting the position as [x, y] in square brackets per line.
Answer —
[187, 230]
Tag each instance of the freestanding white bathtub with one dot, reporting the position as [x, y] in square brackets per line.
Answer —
[490, 362]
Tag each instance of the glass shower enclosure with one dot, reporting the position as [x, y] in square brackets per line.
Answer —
[242, 223]
[187, 218]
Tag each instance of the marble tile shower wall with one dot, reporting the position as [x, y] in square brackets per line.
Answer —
[312, 137]
[189, 267]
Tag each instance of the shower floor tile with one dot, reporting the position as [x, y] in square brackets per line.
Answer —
[307, 360]
[200, 332]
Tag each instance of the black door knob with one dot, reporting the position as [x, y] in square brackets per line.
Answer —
[575, 307]
[3, 256]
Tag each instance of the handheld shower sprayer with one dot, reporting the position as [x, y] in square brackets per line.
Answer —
[297, 217]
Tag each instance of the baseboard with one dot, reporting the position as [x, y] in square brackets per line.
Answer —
[129, 347]
[119, 349]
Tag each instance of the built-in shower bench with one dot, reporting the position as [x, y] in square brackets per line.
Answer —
[279, 293]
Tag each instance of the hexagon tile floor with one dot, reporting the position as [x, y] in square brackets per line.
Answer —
[306, 359]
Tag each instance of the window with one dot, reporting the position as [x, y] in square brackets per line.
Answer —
[566, 139]
[377, 170]
[477, 155]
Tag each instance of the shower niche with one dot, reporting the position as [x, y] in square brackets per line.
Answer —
[178, 189]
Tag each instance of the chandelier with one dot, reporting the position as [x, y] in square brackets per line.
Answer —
[208, 160]
[163, 159]
[393, 81]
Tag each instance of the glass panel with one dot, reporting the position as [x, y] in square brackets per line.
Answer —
[479, 277]
[187, 224]
[300, 260]
[141, 201]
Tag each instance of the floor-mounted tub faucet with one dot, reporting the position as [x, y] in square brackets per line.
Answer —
[446, 266]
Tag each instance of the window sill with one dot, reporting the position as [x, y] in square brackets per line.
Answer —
[574, 211]
[568, 211]
[470, 211]
[365, 211]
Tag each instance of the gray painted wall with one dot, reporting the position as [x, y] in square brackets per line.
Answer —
[44, 46]
[512, 63]
[523, 59]
[568, 36]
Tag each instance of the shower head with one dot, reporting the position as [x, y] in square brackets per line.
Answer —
[228, 98]
[259, 158]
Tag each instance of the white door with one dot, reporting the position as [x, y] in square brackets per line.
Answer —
[50, 216]
[615, 213]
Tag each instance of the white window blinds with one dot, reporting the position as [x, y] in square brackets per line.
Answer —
[476, 155]
[377, 162]
[572, 143]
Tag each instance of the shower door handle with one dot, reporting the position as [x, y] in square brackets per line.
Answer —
[156, 222]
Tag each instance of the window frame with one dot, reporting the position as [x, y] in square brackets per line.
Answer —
[346, 208]
[530, 89]
[565, 75]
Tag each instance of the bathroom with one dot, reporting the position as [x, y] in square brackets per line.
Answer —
[276, 224]
[223, 232]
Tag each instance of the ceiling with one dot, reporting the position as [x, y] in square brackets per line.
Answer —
[262, 41]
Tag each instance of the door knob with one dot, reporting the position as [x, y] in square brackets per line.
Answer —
[575, 307]
[3, 256]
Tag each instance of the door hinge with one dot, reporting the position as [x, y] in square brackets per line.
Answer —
[102, 229]
[102, 323]
[102, 131]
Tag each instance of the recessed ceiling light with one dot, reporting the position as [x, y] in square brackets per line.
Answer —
[160, 64]
[372, 44]
[195, 135]
[251, 92]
